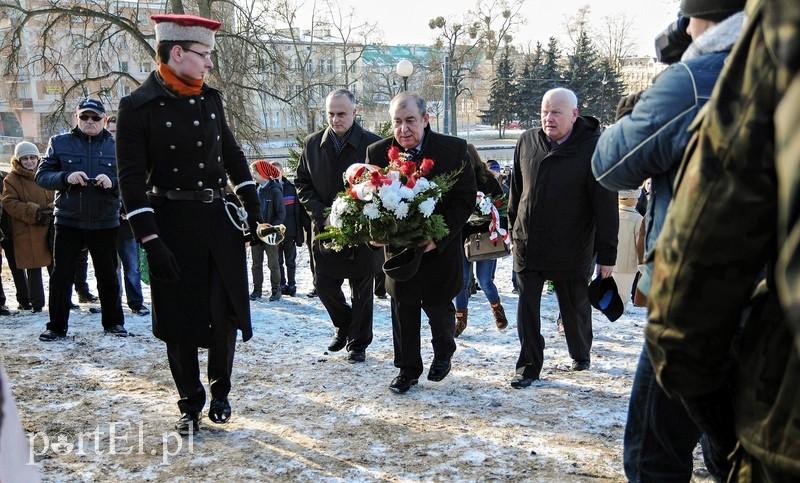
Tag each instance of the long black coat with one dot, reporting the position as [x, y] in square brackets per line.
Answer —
[439, 278]
[184, 143]
[319, 179]
[560, 215]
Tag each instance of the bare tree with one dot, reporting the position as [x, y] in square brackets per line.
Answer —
[499, 20]
[616, 40]
[351, 34]
[461, 44]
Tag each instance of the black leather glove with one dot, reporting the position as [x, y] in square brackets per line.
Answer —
[625, 105]
[163, 265]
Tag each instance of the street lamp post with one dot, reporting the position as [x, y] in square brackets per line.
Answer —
[404, 69]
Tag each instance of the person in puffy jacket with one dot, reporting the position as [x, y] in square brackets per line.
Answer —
[81, 167]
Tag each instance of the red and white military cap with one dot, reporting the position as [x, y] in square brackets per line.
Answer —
[182, 28]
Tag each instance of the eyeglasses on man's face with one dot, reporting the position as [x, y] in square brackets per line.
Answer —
[204, 55]
[86, 117]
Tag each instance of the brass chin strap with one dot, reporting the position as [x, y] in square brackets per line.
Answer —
[271, 234]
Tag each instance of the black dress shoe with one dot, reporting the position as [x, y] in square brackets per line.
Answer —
[276, 295]
[117, 330]
[87, 297]
[25, 307]
[440, 368]
[581, 365]
[401, 384]
[188, 423]
[521, 381]
[95, 310]
[51, 335]
[255, 295]
[74, 306]
[219, 411]
[36, 310]
[4, 310]
[356, 356]
[141, 311]
[312, 293]
[337, 344]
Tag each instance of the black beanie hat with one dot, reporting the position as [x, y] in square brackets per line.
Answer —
[714, 10]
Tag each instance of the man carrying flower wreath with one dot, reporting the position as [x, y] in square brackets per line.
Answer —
[326, 156]
[439, 276]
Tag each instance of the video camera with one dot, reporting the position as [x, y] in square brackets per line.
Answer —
[673, 41]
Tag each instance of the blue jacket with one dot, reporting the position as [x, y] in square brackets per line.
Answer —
[270, 195]
[85, 207]
[649, 143]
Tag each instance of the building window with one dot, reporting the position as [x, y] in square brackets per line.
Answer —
[123, 66]
[145, 67]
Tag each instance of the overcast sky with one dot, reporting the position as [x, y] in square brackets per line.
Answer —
[407, 21]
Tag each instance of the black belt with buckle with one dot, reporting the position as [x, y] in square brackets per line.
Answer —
[207, 195]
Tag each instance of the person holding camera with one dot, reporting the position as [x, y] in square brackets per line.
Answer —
[648, 141]
[81, 167]
[30, 208]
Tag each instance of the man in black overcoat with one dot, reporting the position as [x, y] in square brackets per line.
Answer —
[326, 156]
[562, 219]
[439, 277]
[176, 154]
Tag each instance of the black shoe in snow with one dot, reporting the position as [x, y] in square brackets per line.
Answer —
[219, 411]
[189, 423]
[4, 310]
[141, 311]
[117, 330]
[51, 335]
[87, 297]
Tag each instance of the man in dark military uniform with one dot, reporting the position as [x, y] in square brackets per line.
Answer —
[172, 137]
[439, 277]
[725, 350]
[326, 156]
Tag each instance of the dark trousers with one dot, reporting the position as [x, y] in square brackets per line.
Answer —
[287, 255]
[82, 272]
[35, 286]
[380, 277]
[576, 313]
[258, 251]
[103, 247]
[185, 369]
[659, 435]
[406, 321]
[353, 322]
[18, 274]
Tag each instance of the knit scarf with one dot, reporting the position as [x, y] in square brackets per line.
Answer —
[181, 86]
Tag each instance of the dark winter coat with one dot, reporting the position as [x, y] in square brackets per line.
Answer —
[560, 215]
[270, 197]
[319, 179]
[177, 142]
[22, 198]
[85, 207]
[439, 278]
[292, 220]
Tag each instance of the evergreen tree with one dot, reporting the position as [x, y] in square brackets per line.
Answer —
[528, 95]
[583, 74]
[611, 91]
[501, 97]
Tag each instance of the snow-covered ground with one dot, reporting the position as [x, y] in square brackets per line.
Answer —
[301, 413]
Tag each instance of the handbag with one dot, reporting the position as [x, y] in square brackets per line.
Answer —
[480, 246]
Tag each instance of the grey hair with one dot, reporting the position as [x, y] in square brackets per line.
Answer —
[563, 93]
[402, 100]
[341, 92]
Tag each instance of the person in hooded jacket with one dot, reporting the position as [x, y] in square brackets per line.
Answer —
[30, 208]
[562, 219]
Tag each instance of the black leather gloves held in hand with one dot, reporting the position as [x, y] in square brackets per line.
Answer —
[163, 265]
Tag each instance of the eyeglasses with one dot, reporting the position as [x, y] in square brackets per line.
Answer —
[86, 117]
[31, 157]
[205, 55]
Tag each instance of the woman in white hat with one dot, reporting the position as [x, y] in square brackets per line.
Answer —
[30, 208]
